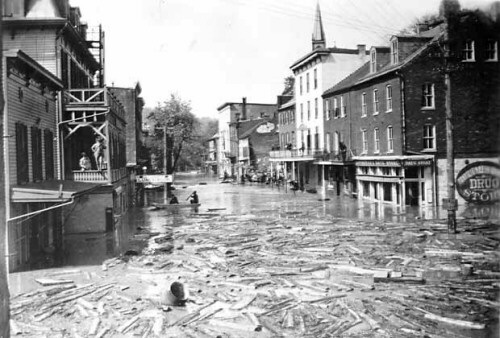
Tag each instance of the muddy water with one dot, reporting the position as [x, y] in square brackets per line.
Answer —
[235, 199]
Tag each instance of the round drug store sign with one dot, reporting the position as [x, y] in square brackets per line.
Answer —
[479, 182]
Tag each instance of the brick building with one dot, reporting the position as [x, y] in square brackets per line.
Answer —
[394, 124]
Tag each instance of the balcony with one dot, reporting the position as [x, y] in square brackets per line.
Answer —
[88, 104]
[98, 175]
[296, 154]
[337, 156]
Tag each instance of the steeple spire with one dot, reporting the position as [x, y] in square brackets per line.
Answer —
[318, 36]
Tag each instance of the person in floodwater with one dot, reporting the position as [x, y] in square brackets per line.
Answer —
[174, 200]
[194, 198]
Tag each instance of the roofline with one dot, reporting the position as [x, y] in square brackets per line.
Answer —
[248, 104]
[19, 54]
[324, 51]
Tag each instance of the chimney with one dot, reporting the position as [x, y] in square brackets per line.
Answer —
[362, 50]
[422, 27]
[244, 109]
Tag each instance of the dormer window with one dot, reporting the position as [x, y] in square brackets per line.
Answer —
[468, 51]
[394, 51]
[373, 61]
[491, 50]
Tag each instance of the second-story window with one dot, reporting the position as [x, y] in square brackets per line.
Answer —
[468, 51]
[300, 85]
[335, 108]
[376, 140]
[363, 104]
[388, 98]
[364, 141]
[316, 108]
[428, 95]
[429, 137]
[390, 139]
[307, 82]
[301, 112]
[315, 78]
[342, 106]
[327, 109]
[375, 102]
[491, 50]
[308, 110]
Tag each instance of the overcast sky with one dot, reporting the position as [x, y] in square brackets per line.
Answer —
[215, 51]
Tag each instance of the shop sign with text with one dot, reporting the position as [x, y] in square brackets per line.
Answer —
[479, 182]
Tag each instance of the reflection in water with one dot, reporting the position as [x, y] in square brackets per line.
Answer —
[233, 199]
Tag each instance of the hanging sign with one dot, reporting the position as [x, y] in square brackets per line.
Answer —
[479, 182]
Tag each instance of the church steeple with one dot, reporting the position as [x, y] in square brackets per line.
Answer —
[318, 36]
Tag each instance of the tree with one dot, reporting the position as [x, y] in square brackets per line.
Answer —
[4, 286]
[174, 117]
[289, 85]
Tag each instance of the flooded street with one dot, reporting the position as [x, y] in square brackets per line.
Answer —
[256, 260]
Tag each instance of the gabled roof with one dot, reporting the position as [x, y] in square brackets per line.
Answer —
[323, 51]
[350, 80]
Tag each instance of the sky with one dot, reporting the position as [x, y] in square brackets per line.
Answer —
[209, 52]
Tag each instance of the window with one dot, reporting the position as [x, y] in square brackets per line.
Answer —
[302, 112]
[307, 82]
[429, 137]
[375, 102]
[316, 108]
[468, 51]
[22, 158]
[49, 154]
[316, 138]
[428, 95]
[364, 141]
[336, 142]
[315, 78]
[388, 98]
[373, 61]
[376, 139]
[327, 109]
[342, 106]
[327, 142]
[300, 83]
[335, 108]
[394, 51]
[363, 104]
[491, 50]
[390, 139]
[308, 110]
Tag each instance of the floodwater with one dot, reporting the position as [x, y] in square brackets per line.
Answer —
[236, 199]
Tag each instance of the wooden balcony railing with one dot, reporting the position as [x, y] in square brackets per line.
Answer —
[92, 98]
[99, 175]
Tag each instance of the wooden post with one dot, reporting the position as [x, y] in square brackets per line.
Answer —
[4, 285]
[165, 189]
[450, 159]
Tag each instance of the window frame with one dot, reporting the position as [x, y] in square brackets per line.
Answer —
[390, 139]
[426, 96]
[336, 112]
[302, 112]
[308, 110]
[300, 85]
[376, 140]
[343, 107]
[307, 82]
[394, 52]
[364, 107]
[376, 102]
[429, 137]
[388, 98]
[327, 109]
[315, 78]
[364, 141]
[489, 50]
[468, 51]
[316, 108]
[373, 61]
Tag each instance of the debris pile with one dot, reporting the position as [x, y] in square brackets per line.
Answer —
[255, 276]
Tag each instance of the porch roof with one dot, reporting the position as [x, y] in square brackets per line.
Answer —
[51, 191]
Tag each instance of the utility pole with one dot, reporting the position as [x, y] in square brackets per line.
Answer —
[451, 204]
[4, 285]
[165, 188]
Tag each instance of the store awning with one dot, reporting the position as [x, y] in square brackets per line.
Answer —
[50, 191]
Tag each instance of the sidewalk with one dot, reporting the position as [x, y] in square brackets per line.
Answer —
[256, 276]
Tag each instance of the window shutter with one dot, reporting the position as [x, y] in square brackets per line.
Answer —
[22, 160]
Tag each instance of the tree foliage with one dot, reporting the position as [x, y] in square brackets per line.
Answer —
[186, 135]
[289, 85]
[176, 119]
